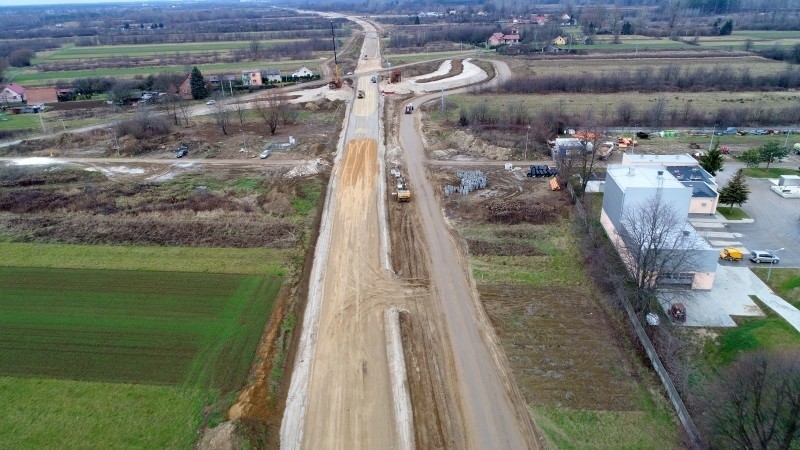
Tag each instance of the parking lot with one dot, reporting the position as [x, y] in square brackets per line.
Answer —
[776, 222]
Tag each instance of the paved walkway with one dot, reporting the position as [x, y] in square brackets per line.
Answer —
[730, 296]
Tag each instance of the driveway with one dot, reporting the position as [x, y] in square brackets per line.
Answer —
[730, 296]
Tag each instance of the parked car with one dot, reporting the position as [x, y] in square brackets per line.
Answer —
[374, 79]
[265, 154]
[211, 102]
[763, 256]
[181, 153]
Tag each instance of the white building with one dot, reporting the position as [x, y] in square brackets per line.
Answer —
[629, 187]
[302, 72]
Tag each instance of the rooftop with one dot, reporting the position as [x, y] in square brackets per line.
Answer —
[630, 176]
[700, 189]
[667, 160]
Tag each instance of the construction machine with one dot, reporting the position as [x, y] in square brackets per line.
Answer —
[336, 83]
[403, 192]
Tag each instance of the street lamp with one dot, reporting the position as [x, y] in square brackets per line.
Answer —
[525, 157]
[769, 272]
[712, 137]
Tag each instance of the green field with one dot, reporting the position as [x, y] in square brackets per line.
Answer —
[184, 329]
[70, 52]
[582, 386]
[31, 78]
[244, 261]
[43, 413]
[579, 104]
[760, 40]
[612, 64]
[19, 122]
[138, 355]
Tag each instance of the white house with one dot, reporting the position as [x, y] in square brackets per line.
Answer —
[303, 72]
[13, 93]
[629, 187]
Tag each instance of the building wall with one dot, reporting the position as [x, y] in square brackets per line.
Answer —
[617, 203]
[703, 205]
[9, 96]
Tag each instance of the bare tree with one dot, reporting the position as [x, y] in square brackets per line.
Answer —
[255, 49]
[270, 111]
[185, 110]
[241, 111]
[755, 402]
[660, 248]
[625, 112]
[222, 116]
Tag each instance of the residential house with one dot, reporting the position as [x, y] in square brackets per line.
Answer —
[539, 19]
[214, 80]
[271, 75]
[560, 41]
[252, 78]
[550, 48]
[12, 93]
[185, 89]
[41, 95]
[627, 189]
[504, 39]
[705, 192]
[303, 72]
[566, 19]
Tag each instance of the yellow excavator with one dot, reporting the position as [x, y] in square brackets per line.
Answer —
[336, 83]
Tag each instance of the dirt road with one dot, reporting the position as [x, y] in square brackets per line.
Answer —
[495, 414]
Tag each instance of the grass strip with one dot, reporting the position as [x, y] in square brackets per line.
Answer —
[42, 413]
[245, 261]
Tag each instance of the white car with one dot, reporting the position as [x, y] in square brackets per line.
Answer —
[265, 154]
[759, 256]
[211, 102]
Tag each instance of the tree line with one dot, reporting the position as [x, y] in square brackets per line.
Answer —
[670, 78]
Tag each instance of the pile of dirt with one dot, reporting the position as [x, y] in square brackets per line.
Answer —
[516, 211]
[462, 143]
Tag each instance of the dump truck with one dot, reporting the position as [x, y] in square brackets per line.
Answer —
[360, 93]
[731, 254]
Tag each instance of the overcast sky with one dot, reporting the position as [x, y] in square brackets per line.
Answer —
[64, 2]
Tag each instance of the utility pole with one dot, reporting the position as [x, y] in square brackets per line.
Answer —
[442, 102]
[42, 121]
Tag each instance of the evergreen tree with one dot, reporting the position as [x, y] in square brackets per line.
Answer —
[712, 162]
[735, 192]
[727, 28]
[627, 28]
[198, 84]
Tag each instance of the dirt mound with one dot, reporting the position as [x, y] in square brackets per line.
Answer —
[460, 142]
[516, 211]
[225, 436]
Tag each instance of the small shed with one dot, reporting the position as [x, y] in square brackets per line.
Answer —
[396, 76]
